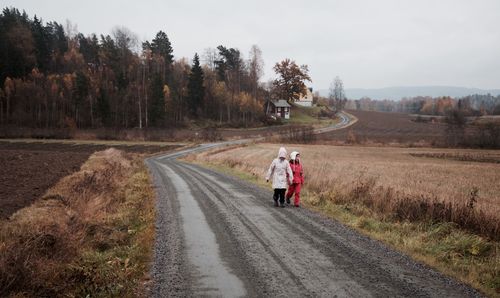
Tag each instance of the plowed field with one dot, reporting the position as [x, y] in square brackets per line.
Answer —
[380, 127]
[28, 169]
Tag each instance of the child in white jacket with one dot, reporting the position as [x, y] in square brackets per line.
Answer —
[282, 175]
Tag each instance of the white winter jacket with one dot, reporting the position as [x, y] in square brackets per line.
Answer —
[279, 169]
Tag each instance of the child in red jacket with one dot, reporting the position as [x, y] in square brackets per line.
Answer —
[298, 179]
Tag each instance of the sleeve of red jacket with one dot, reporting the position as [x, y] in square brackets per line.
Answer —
[289, 172]
[301, 174]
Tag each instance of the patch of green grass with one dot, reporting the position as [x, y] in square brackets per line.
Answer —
[308, 115]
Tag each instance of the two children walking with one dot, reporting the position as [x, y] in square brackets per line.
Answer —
[286, 173]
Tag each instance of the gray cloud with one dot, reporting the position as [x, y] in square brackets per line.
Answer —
[367, 43]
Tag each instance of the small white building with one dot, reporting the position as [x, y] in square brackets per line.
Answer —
[306, 100]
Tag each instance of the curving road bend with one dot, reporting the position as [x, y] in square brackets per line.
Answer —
[220, 236]
[346, 120]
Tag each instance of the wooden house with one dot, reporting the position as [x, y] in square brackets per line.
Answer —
[278, 108]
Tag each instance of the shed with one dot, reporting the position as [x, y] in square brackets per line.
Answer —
[279, 108]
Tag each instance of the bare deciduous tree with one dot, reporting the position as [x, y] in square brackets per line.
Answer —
[256, 68]
[337, 95]
[210, 57]
[125, 39]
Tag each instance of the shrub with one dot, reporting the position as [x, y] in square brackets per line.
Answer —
[488, 135]
[326, 113]
[211, 134]
[412, 207]
[268, 121]
[299, 134]
[351, 137]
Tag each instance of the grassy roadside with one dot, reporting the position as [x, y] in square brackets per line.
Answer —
[309, 116]
[465, 256]
[91, 235]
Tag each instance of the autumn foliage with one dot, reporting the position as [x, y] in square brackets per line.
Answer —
[290, 82]
[54, 77]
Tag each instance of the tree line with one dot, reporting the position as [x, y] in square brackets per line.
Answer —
[52, 76]
[472, 105]
[459, 131]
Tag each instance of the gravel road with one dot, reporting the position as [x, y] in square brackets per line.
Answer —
[220, 236]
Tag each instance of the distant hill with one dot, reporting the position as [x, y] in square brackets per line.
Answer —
[396, 93]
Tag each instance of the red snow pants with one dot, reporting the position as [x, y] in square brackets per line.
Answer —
[294, 188]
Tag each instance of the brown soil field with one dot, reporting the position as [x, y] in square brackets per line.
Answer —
[164, 135]
[382, 127]
[28, 169]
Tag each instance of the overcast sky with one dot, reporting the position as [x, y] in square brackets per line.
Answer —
[369, 44]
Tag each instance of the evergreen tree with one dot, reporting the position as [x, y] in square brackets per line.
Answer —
[160, 45]
[60, 40]
[89, 47]
[81, 92]
[230, 64]
[109, 53]
[196, 91]
[42, 43]
[146, 46]
[17, 46]
[157, 108]
[103, 108]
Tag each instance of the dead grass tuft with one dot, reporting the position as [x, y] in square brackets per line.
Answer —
[351, 137]
[81, 237]
[461, 157]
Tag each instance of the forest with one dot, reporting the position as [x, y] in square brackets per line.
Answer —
[52, 76]
[472, 105]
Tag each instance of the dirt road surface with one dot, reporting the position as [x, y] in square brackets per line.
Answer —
[220, 236]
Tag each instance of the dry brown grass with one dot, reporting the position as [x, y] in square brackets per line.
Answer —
[487, 119]
[393, 181]
[477, 157]
[85, 235]
[440, 210]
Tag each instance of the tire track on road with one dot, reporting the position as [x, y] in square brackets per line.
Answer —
[237, 225]
[272, 251]
[317, 245]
